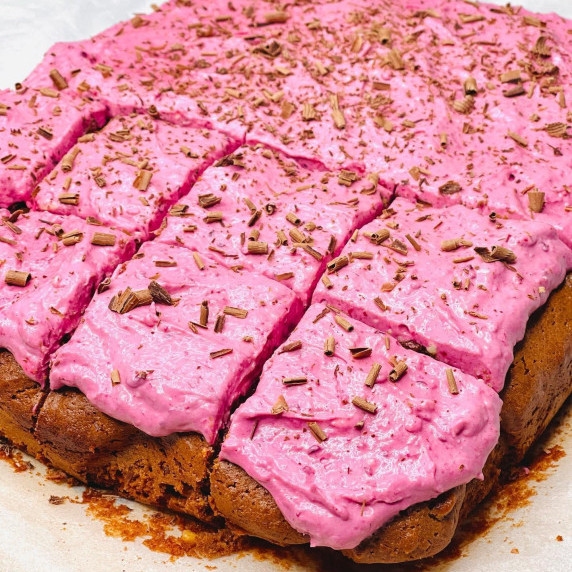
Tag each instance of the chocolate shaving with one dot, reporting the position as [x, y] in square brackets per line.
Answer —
[327, 282]
[17, 278]
[317, 431]
[397, 246]
[337, 264]
[290, 347]
[128, 300]
[71, 238]
[69, 159]
[398, 371]
[364, 404]
[159, 294]
[103, 239]
[453, 389]
[496, 254]
[450, 188]
[256, 247]
[379, 236]
[535, 201]
[220, 353]
[360, 352]
[373, 374]
[58, 79]
[115, 377]
[300, 380]
[198, 261]
[557, 129]
[330, 346]
[178, 210]
[343, 323]
[142, 180]
[219, 323]
[236, 312]
[208, 200]
[454, 243]
[280, 406]
[204, 314]
[413, 242]
[270, 50]
[69, 199]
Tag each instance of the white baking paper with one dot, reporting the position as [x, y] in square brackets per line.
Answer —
[38, 536]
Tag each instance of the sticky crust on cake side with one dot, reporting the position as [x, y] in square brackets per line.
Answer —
[538, 392]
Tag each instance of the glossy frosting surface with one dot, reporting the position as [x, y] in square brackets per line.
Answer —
[421, 441]
[168, 380]
[35, 317]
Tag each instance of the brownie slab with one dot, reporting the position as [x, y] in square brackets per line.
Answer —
[348, 428]
[431, 278]
[531, 398]
[259, 212]
[170, 346]
[37, 127]
[50, 267]
[129, 173]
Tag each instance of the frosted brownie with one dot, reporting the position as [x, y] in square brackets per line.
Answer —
[506, 74]
[129, 173]
[63, 429]
[347, 429]
[449, 281]
[70, 433]
[171, 345]
[50, 266]
[257, 211]
[37, 127]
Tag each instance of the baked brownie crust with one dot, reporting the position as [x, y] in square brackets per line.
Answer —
[243, 502]
[540, 377]
[20, 399]
[66, 430]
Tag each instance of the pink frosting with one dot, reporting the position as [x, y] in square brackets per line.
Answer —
[395, 77]
[421, 441]
[35, 318]
[106, 169]
[472, 311]
[494, 171]
[36, 129]
[255, 177]
[168, 381]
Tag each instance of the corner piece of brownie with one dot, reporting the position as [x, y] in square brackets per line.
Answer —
[37, 127]
[347, 428]
[130, 173]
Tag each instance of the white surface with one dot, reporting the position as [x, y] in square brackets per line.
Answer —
[37, 536]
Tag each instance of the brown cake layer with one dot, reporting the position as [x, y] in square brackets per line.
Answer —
[537, 384]
[65, 430]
